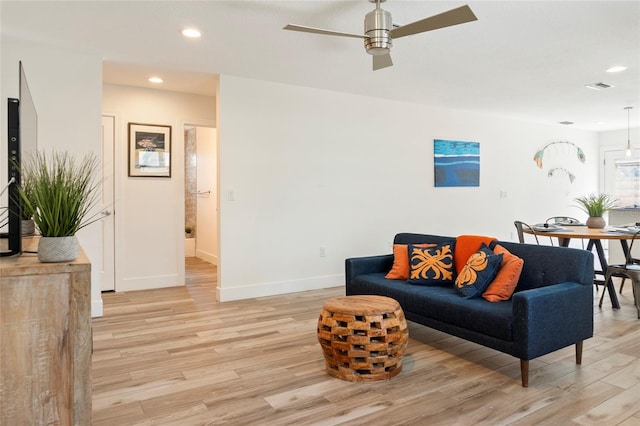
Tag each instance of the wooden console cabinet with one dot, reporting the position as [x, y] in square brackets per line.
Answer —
[45, 342]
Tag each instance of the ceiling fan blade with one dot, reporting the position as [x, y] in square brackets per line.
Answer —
[294, 27]
[456, 16]
[382, 61]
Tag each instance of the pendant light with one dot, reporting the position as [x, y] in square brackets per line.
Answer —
[628, 151]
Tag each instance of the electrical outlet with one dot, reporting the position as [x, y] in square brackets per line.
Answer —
[323, 252]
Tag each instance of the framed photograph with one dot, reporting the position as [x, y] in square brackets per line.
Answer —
[149, 150]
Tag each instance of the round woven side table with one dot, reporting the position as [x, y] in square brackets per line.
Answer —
[363, 338]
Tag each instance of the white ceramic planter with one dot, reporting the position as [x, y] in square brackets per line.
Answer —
[57, 249]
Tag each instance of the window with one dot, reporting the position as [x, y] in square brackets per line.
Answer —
[627, 182]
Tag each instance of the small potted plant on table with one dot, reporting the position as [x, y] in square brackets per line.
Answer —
[63, 193]
[595, 205]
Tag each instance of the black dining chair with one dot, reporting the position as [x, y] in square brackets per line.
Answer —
[520, 227]
[630, 270]
[635, 261]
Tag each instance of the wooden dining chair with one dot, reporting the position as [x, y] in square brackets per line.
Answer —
[520, 226]
[630, 270]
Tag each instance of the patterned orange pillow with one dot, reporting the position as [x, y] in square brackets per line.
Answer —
[505, 282]
[431, 265]
[479, 270]
[466, 245]
[400, 268]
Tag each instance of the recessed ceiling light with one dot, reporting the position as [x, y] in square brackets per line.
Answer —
[566, 123]
[598, 86]
[616, 69]
[156, 80]
[191, 33]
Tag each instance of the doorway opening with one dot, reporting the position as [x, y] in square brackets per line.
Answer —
[200, 181]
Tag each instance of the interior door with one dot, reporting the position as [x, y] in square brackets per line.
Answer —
[206, 171]
[107, 273]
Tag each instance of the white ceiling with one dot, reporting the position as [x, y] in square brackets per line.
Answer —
[522, 59]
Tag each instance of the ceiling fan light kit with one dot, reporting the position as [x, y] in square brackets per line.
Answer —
[377, 24]
[379, 30]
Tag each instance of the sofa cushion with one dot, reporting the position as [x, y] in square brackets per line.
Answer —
[478, 272]
[443, 304]
[400, 268]
[466, 245]
[505, 281]
[431, 265]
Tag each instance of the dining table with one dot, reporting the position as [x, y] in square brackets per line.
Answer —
[565, 233]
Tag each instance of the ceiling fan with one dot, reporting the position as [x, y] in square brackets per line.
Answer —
[379, 31]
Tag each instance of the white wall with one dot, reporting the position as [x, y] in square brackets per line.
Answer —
[207, 211]
[66, 87]
[314, 168]
[309, 168]
[149, 212]
[618, 138]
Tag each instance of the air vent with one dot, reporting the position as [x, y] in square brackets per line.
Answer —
[566, 123]
[599, 86]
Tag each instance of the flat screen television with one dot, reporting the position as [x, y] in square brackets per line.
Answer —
[22, 140]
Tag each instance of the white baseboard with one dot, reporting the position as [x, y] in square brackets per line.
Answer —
[146, 283]
[207, 257]
[225, 294]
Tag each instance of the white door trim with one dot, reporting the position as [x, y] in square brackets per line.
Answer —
[107, 269]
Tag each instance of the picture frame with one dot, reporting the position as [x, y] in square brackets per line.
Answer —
[456, 163]
[149, 150]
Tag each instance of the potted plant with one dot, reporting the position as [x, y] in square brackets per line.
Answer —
[595, 205]
[187, 231]
[63, 193]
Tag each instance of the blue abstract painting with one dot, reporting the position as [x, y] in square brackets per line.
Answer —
[456, 163]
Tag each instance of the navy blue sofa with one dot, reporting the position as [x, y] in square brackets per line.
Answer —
[551, 308]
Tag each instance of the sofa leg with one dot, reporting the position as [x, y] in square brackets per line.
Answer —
[579, 352]
[524, 372]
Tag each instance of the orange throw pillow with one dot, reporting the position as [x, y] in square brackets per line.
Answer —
[504, 284]
[400, 268]
[466, 245]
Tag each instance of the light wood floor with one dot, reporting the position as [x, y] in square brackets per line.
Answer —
[176, 356]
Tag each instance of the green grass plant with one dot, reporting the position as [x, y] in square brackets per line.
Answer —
[27, 190]
[63, 192]
[595, 205]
